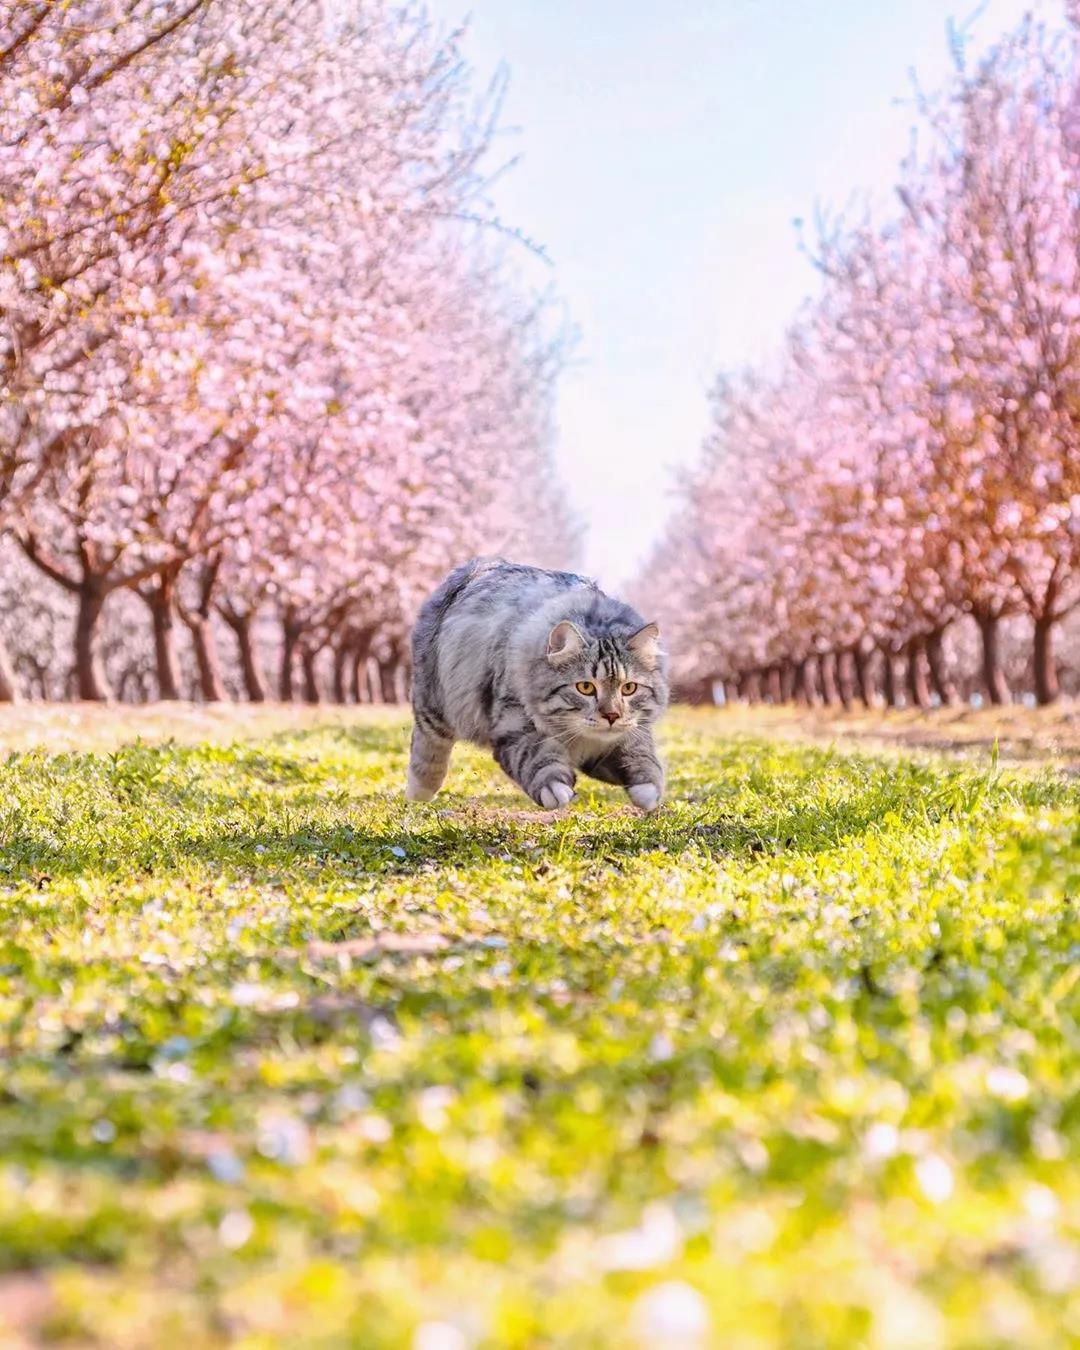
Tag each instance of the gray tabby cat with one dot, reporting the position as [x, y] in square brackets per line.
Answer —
[546, 670]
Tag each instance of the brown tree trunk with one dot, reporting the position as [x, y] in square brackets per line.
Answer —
[1047, 688]
[358, 659]
[130, 688]
[386, 682]
[864, 676]
[9, 688]
[845, 679]
[939, 671]
[39, 685]
[211, 685]
[290, 636]
[203, 638]
[788, 677]
[308, 658]
[997, 686]
[696, 693]
[160, 598]
[340, 685]
[368, 673]
[90, 680]
[806, 687]
[918, 688]
[773, 690]
[829, 690]
[750, 687]
[402, 682]
[254, 681]
[891, 684]
[165, 660]
[356, 665]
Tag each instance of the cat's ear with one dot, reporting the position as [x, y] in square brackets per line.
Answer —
[564, 643]
[645, 644]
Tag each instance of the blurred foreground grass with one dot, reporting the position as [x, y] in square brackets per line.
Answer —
[285, 1062]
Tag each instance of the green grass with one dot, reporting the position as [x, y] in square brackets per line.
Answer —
[286, 1062]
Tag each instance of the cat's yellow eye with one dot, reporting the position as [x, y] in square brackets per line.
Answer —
[629, 687]
[585, 687]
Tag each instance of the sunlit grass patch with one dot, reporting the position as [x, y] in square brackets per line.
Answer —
[285, 1061]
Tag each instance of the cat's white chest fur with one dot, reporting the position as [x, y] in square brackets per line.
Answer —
[588, 747]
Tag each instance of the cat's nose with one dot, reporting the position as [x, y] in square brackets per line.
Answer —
[611, 716]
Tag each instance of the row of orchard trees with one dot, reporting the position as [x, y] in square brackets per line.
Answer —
[258, 353]
[914, 456]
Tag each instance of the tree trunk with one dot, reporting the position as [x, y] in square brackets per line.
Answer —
[891, 685]
[340, 686]
[845, 679]
[402, 682]
[168, 675]
[160, 598]
[1047, 689]
[939, 671]
[130, 689]
[308, 657]
[356, 661]
[788, 678]
[997, 687]
[800, 689]
[864, 676]
[371, 680]
[386, 682]
[203, 637]
[918, 689]
[773, 692]
[211, 685]
[808, 689]
[290, 635]
[90, 680]
[254, 682]
[698, 693]
[829, 691]
[9, 688]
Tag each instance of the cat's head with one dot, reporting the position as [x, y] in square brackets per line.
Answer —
[599, 687]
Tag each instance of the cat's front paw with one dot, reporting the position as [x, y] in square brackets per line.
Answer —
[416, 791]
[554, 796]
[645, 796]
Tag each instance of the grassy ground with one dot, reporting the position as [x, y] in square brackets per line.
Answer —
[286, 1062]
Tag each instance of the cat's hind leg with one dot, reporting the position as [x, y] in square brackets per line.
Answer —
[429, 759]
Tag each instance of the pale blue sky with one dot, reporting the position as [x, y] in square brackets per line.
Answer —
[666, 148]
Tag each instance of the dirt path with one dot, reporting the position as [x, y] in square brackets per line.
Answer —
[59, 727]
[1024, 734]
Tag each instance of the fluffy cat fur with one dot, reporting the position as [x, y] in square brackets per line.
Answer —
[505, 656]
